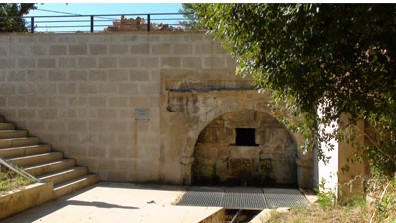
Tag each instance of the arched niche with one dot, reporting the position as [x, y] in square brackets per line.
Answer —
[249, 148]
[255, 104]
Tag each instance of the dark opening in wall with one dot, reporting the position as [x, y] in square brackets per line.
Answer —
[245, 137]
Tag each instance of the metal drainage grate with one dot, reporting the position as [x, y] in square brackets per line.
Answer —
[203, 196]
[251, 198]
[243, 198]
[284, 198]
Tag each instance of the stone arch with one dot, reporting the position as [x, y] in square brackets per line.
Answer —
[304, 161]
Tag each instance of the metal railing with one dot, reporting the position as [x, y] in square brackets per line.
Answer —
[18, 170]
[99, 23]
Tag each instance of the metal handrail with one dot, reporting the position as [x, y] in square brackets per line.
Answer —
[35, 24]
[18, 170]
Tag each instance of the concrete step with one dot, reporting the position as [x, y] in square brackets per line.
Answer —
[64, 175]
[25, 150]
[37, 159]
[50, 167]
[75, 184]
[7, 126]
[17, 142]
[7, 134]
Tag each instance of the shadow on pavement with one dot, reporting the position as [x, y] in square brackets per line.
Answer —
[98, 204]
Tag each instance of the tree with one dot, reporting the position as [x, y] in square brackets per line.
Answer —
[336, 58]
[11, 16]
[188, 12]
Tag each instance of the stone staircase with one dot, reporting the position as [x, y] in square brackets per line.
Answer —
[41, 161]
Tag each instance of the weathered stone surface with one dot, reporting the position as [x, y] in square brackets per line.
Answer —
[219, 160]
[80, 92]
[19, 200]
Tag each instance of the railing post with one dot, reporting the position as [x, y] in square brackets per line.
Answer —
[92, 23]
[148, 23]
[32, 24]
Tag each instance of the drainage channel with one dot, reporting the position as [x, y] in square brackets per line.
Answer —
[242, 204]
[245, 198]
[239, 216]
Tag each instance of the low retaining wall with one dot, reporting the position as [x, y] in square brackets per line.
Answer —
[30, 196]
[217, 217]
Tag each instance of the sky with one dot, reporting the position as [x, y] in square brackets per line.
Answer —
[63, 9]
[104, 8]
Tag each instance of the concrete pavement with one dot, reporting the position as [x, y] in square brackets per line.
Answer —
[117, 202]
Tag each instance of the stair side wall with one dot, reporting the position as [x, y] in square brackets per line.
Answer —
[19, 200]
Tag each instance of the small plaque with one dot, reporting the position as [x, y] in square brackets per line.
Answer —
[142, 114]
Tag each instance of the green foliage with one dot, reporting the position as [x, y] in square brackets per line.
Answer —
[10, 180]
[384, 204]
[11, 16]
[315, 213]
[332, 58]
[355, 201]
[381, 145]
[326, 198]
[188, 11]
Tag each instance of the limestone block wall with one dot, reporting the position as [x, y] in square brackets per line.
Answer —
[97, 97]
[131, 105]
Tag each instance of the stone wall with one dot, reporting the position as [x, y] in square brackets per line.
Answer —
[268, 160]
[81, 92]
[193, 123]
[130, 106]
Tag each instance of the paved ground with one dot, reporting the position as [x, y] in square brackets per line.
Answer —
[117, 202]
[122, 202]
